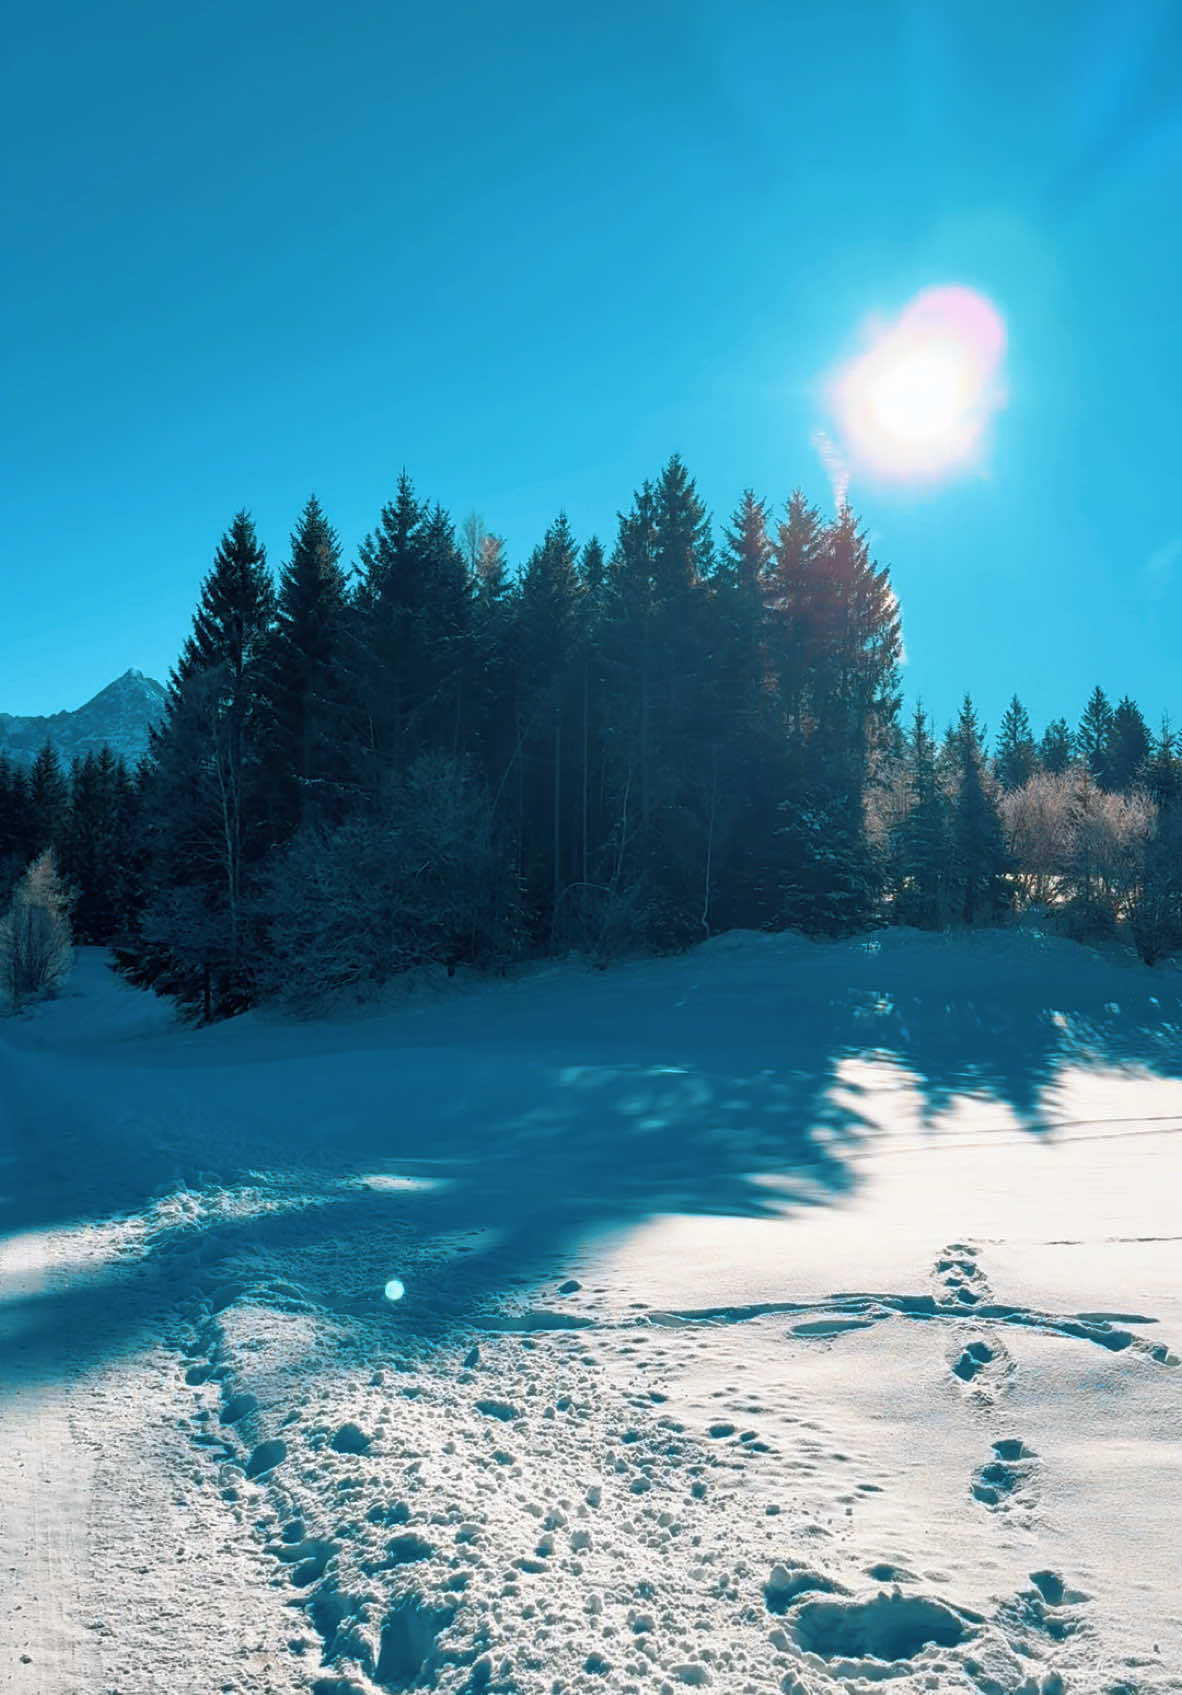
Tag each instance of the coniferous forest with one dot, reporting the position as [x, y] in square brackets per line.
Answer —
[428, 757]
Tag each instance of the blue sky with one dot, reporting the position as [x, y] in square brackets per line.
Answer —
[527, 251]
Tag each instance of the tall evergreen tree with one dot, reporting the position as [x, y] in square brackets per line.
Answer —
[593, 568]
[1127, 747]
[412, 634]
[1094, 730]
[47, 801]
[749, 553]
[794, 636]
[15, 826]
[99, 848]
[1157, 906]
[981, 856]
[204, 789]
[744, 762]
[655, 651]
[840, 666]
[922, 849]
[302, 683]
[1016, 757]
[1163, 768]
[547, 711]
[1056, 748]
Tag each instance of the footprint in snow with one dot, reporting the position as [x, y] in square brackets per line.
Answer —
[1005, 1477]
[959, 1279]
[984, 1366]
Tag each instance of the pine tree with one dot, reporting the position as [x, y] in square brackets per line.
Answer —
[99, 845]
[981, 857]
[205, 789]
[15, 824]
[593, 568]
[746, 766]
[749, 554]
[922, 849]
[656, 659]
[302, 681]
[1016, 757]
[1157, 907]
[682, 549]
[791, 600]
[47, 802]
[839, 663]
[1094, 729]
[1126, 748]
[1056, 748]
[412, 636]
[546, 640]
[1163, 769]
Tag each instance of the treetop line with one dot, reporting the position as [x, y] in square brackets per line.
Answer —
[429, 759]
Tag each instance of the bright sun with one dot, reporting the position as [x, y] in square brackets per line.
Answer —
[916, 403]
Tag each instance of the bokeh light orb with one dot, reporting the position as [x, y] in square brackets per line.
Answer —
[395, 1289]
[917, 402]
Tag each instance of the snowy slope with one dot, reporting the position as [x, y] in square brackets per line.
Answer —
[780, 1317]
[120, 716]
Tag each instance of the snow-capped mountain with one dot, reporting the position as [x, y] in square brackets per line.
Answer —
[119, 715]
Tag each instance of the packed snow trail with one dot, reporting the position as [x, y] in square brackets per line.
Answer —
[115, 1570]
[776, 1318]
[46, 1479]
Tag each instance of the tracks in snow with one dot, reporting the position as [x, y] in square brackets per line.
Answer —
[46, 1476]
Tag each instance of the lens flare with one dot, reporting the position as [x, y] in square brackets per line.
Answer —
[916, 404]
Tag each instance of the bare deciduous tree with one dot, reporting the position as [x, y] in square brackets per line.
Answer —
[35, 949]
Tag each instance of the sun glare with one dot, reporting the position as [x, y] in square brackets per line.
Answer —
[915, 405]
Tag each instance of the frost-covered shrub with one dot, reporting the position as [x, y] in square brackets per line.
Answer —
[1039, 829]
[1079, 847]
[35, 948]
[421, 878]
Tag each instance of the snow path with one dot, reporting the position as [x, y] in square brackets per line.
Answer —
[787, 1320]
[107, 1528]
[46, 1480]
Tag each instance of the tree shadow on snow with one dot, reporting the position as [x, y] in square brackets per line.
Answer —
[472, 1149]
[524, 1166]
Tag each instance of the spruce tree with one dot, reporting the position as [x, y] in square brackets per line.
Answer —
[655, 654]
[547, 703]
[1157, 907]
[205, 789]
[842, 646]
[1056, 748]
[98, 853]
[15, 828]
[593, 568]
[746, 766]
[1127, 747]
[47, 800]
[1094, 729]
[1016, 757]
[749, 553]
[791, 600]
[302, 680]
[922, 849]
[411, 635]
[981, 856]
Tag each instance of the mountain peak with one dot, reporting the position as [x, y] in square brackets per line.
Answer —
[120, 716]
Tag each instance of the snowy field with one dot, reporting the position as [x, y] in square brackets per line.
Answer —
[780, 1317]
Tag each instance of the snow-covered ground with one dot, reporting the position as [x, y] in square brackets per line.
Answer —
[778, 1317]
